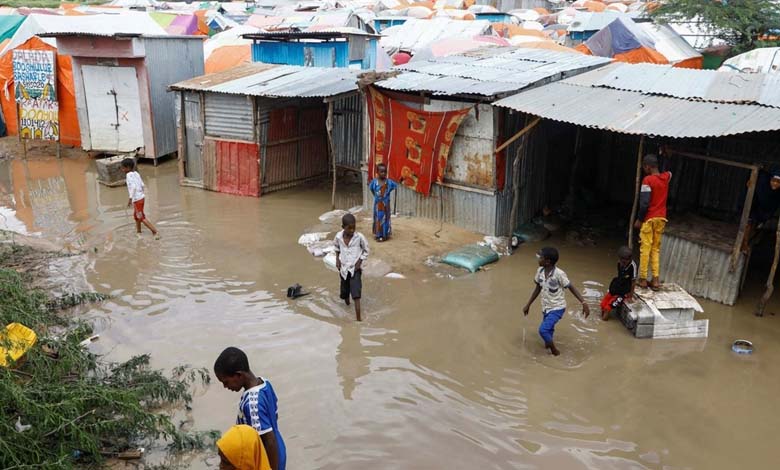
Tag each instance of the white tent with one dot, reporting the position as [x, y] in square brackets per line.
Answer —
[124, 22]
[762, 60]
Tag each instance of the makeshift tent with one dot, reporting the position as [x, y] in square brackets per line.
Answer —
[69, 121]
[624, 41]
[180, 25]
[226, 57]
[9, 24]
[672, 46]
[761, 60]
[231, 37]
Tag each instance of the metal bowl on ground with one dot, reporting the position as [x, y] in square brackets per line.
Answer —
[742, 346]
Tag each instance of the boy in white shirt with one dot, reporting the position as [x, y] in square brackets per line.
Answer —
[351, 251]
[135, 188]
[551, 282]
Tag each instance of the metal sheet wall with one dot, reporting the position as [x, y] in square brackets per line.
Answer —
[168, 61]
[701, 270]
[294, 144]
[348, 131]
[466, 209]
[229, 116]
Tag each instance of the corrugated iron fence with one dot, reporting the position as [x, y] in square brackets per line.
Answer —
[294, 145]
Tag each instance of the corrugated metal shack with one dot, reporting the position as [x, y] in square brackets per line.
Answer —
[714, 130]
[121, 83]
[340, 47]
[475, 193]
[258, 128]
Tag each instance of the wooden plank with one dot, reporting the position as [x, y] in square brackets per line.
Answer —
[707, 158]
[743, 221]
[635, 207]
[521, 133]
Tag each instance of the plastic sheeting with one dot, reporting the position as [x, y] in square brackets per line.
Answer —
[70, 134]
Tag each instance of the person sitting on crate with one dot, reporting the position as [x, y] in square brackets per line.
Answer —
[621, 289]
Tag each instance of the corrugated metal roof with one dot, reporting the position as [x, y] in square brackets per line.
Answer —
[705, 85]
[416, 33]
[276, 81]
[488, 72]
[636, 113]
[333, 32]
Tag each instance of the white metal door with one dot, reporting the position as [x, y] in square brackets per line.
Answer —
[113, 107]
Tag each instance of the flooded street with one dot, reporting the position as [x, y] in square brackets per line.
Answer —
[443, 373]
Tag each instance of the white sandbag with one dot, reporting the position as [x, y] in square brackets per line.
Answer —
[332, 215]
[308, 239]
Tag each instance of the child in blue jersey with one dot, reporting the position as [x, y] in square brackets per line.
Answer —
[257, 407]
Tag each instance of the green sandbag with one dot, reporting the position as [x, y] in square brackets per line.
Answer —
[471, 257]
[531, 232]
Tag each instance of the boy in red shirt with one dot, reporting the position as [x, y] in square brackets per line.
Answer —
[651, 219]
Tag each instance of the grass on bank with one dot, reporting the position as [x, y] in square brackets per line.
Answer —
[81, 408]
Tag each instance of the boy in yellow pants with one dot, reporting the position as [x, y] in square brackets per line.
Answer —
[651, 219]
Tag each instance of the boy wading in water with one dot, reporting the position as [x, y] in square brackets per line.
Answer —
[651, 220]
[135, 188]
[551, 282]
[381, 187]
[351, 251]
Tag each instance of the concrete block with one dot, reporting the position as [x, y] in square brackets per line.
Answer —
[644, 331]
[677, 314]
[110, 172]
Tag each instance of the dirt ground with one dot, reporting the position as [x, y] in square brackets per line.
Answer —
[414, 241]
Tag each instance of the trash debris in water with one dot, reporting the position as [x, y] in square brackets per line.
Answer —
[395, 276]
[321, 248]
[742, 346]
[294, 291]
[89, 340]
[498, 244]
[355, 209]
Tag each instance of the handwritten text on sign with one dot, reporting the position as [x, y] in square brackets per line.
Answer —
[39, 120]
[34, 75]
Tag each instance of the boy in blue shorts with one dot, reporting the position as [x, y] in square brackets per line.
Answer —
[257, 407]
[551, 281]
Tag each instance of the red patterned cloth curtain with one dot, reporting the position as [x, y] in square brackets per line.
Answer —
[414, 144]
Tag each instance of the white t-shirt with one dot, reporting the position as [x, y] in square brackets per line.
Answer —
[135, 186]
[553, 288]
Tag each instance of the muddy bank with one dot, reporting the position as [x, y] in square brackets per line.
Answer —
[443, 372]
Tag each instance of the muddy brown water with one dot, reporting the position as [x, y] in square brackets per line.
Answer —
[443, 373]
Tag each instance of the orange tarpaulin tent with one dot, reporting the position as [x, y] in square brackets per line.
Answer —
[70, 134]
[226, 57]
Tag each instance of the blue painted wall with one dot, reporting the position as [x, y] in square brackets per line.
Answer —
[495, 17]
[323, 54]
[384, 23]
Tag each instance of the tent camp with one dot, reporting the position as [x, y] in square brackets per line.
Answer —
[625, 41]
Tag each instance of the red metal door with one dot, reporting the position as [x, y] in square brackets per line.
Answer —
[237, 168]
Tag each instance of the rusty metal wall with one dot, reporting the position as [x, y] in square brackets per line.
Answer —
[702, 271]
[348, 131]
[467, 209]
[229, 116]
[471, 161]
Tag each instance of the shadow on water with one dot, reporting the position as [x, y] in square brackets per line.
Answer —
[445, 372]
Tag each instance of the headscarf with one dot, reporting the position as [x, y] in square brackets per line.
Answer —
[242, 446]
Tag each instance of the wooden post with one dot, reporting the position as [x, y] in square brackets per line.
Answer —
[770, 281]
[635, 207]
[329, 128]
[516, 170]
[181, 138]
[743, 221]
[522, 132]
